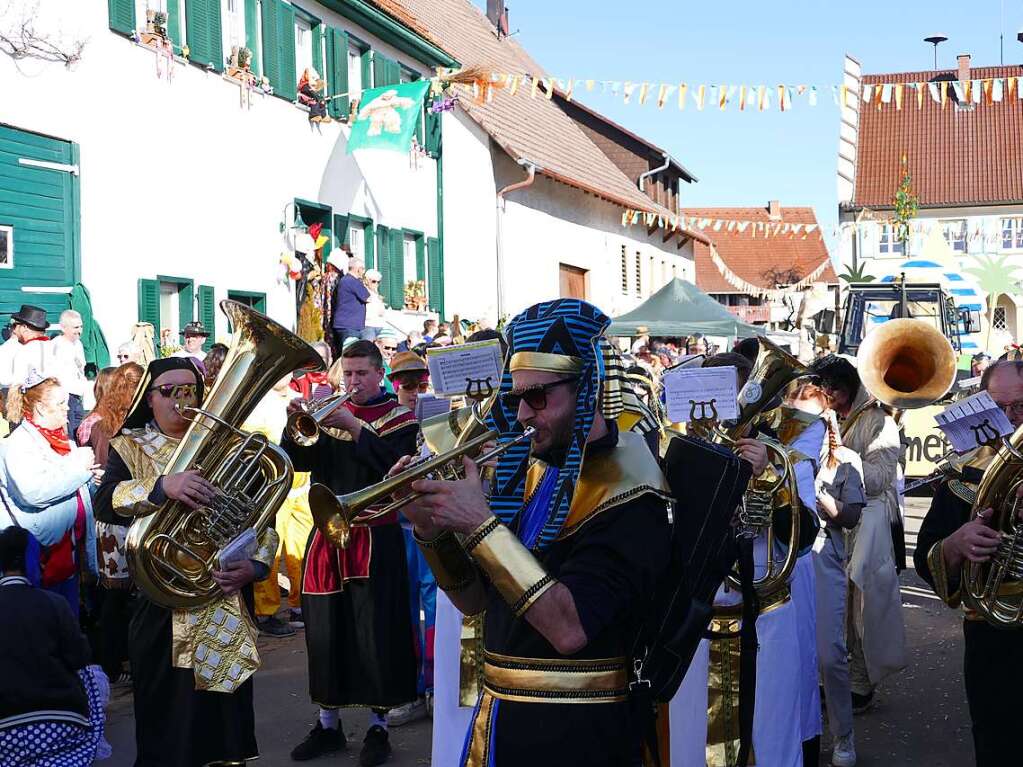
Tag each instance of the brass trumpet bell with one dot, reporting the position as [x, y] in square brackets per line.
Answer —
[303, 426]
[906, 364]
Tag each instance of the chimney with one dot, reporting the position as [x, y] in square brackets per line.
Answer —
[498, 15]
[774, 210]
[964, 67]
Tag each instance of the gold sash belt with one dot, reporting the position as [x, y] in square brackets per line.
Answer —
[767, 604]
[555, 680]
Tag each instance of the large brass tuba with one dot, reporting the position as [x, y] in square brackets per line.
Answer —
[906, 363]
[995, 588]
[172, 552]
[773, 370]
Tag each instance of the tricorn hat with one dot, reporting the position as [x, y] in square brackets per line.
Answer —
[32, 316]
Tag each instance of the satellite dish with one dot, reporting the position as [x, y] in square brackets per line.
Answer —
[936, 40]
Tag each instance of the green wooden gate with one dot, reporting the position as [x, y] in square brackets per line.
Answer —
[39, 219]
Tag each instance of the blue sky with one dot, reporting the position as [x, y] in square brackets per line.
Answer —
[747, 158]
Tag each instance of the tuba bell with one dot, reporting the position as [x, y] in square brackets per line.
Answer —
[773, 370]
[906, 364]
[172, 552]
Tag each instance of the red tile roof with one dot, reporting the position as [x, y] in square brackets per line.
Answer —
[955, 157]
[529, 129]
[754, 259]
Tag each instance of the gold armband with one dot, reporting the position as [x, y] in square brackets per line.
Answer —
[451, 566]
[516, 574]
[945, 586]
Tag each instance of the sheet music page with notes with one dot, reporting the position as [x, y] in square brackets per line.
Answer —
[973, 421]
[695, 393]
[465, 369]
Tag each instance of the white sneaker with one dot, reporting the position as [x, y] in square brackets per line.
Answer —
[409, 712]
[844, 753]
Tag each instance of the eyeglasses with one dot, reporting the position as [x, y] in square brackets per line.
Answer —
[176, 391]
[534, 396]
[414, 385]
[388, 348]
[374, 282]
[124, 356]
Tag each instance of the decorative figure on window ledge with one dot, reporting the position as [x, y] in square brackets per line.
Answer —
[155, 36]
[415, 295]
[383, 113]
[310, 94]
[239, 69]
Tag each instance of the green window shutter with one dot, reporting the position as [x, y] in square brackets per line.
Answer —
[149, 306]
[202, 30]
[207, 313]
[366, 61]
[435, 289]
[186, 307]
[271, 56]
[337, 72]
[385, 71]
[122, 15]
[251, 33]
[317, 33]
[340, 229]
[174, 23]
[383, 247]
[396, 270]
[368, 244]
[433, 123]
[286, 52]
[420, 259]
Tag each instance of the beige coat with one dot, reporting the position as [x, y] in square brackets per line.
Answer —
[875, 598]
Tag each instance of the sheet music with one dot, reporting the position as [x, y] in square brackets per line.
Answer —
[453, 369]
[973, 421]
[701, 393]
[428, 406]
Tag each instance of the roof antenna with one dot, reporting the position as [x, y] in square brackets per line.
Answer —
[935, 40]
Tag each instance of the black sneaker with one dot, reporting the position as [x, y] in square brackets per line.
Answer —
[376, 747]
[862, 703]
[274, 627]
[318, 742]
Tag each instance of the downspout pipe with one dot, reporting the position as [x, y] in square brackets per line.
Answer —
[644, 176]
[530, 177]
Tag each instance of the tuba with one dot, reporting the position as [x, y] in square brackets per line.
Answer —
[773, 370]
[172, 552]
[995, 588]
[906, 364]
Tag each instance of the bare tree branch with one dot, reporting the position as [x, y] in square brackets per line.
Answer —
[20, 39]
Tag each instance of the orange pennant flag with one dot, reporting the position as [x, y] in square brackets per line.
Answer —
[700, 93]
[987, 90]
[644, 91]
[1010, 86]
[919, 95]
[781, 97]
[722, 96]
[761, 98]
[682, 88]
[898, 96]
[944, 92]
[742, 98]
[968, 90]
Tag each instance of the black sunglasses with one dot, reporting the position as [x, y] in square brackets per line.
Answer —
[177, 391]
[534, 396]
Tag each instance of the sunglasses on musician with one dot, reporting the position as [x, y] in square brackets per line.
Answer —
[176, 391]
[420, 386]
[534, 396]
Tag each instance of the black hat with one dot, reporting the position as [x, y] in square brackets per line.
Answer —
[32, 316]
[139, 412]
[196, 329]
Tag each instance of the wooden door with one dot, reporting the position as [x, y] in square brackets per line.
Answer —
[573, 281]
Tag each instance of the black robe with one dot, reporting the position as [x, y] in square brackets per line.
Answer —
[175, 724]
[993, 657]
[358, 629]
[611, 566]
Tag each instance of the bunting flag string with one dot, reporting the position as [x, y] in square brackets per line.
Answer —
[481, 84]
[749, 288]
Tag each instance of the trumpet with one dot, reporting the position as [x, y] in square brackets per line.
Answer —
[334, 515]
[303, 427]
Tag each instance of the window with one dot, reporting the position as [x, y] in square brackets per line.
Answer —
[639, 274]
[357, 240]
[408, 246]
[234, 24]
[955, 234]
[251, 299]
[303, 45]
[625, 271]
[354, 71]
[998, 318]
[170, 321]
[1012, 233]
[167, 303]
[889, 245]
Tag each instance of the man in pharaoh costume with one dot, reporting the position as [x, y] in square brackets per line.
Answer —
[950, 538]
[561, 561]
[192, 667]
[358, 629]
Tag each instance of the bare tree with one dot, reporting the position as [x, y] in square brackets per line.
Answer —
[777, 275]
[22, 40]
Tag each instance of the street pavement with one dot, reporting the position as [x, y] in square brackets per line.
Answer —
[920, 716]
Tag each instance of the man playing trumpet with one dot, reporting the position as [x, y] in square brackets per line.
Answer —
[563, 557]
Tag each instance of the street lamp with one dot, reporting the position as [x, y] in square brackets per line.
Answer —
[935, 40]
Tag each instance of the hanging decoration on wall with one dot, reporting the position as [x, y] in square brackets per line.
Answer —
[387, 117]
[480, 84]
[749, 288]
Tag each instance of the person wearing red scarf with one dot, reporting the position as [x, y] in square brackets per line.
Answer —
[45, 481]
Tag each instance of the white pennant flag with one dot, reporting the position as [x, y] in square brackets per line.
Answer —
[868, 92]
[935, 96]
[996, 89]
